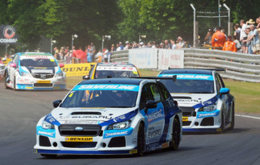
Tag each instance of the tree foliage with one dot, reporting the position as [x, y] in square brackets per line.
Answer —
[122, 19]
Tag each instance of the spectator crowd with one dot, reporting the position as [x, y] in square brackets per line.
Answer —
[245, 38]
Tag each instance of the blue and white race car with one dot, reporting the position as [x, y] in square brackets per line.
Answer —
[203, 98]
[34, 71]
[111, 116]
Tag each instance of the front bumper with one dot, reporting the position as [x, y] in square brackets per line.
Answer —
[203, 122]
[100, 145]
[24, 83]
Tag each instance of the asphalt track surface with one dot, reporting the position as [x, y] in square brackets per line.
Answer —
[20, 111]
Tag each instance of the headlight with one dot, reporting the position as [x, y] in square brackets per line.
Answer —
[209, 108]
[60, 74]
[117, 126]
[47, 125]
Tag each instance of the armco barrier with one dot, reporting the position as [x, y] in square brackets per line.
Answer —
[238, 66]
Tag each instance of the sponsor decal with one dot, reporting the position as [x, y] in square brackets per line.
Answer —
[123, 87]
[78, 139]
[115, 133]
[79, 121]
[91, 117]
[153, 116]
[45, 132]
[73, 70]
[185, 118]
[189, 76]
[208, 114]
[8, 34]
[116, 68]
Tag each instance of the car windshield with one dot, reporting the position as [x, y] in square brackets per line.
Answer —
[115, 74]
[110, 96]
[38, 62]
[189, 86]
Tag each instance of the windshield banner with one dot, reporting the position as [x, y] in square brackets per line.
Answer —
[189, 76]
[123, 87]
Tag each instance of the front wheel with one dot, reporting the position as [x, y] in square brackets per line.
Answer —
[141, 140]
[176, 135]
[6, 80]
[233, 117]
[14, 83]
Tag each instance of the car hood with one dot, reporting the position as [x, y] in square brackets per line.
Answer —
[192, 100]
[89, 115]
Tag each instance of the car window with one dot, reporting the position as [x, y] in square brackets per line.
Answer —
[219, 83]
[155, 92]
[163, 91]
[145, 96]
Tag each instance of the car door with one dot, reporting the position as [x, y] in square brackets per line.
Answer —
[224, 98]
[155, 117]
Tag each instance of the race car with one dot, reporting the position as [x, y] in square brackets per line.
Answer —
[112, 70]
[206, 103]
[34, 71]
[111, 116]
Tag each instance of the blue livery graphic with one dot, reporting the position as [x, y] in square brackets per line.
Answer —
[190, 76]
[116, 133]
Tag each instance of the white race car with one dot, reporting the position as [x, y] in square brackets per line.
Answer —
[203, 98]
[111, 116]
[34, 71]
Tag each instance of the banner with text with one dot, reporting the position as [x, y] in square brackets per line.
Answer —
[143, 58]
[170, 58]
[74, 70]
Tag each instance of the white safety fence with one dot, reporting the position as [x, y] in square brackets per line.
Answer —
[238, 66]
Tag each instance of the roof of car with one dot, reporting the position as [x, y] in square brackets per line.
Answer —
[187, 71]
[116, 64]
[131, 81]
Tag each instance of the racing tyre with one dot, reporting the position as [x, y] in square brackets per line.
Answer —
[49, 156]
[176, 135]
[222, 127]
[15, 83]
[141, 140]
[6, 80]
[233, 117]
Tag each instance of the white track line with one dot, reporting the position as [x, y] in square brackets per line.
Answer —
[247, 116]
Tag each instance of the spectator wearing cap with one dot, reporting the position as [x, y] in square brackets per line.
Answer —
[218, 39]
[230, 45]
[180, 43]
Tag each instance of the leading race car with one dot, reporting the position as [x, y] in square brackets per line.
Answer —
[34, 71]
[112, 70]
[111, 116]
[206, 103]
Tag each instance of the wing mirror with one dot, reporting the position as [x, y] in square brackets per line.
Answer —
[56, 103]
[224, 91]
